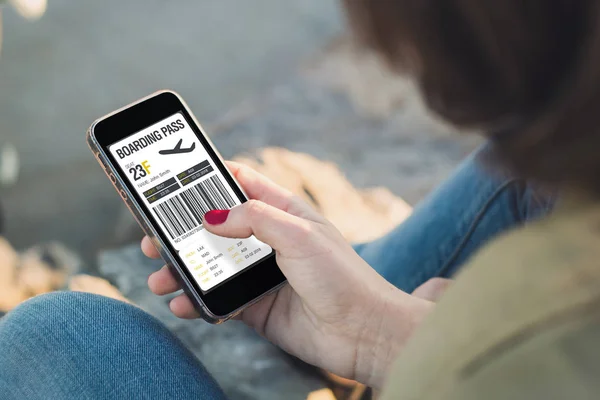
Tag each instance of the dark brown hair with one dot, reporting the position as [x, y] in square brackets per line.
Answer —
[526, 72]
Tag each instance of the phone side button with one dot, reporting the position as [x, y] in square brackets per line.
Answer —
[113, 178]
[123, 194]
[99, 159]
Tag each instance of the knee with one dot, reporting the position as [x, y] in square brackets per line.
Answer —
[58, 307]
[55, 330]
[85, 342]
[59, 316]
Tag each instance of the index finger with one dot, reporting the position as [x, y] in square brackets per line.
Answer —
[259, 187]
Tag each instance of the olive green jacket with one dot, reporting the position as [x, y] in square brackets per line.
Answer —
[522, 321]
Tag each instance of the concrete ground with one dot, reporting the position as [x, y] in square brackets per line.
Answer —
[84, 59]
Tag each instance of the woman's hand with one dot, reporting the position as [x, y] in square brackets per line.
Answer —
[337, 312]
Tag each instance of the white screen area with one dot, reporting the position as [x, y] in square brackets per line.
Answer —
[179, 182]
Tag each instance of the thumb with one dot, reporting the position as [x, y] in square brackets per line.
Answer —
[280, 230]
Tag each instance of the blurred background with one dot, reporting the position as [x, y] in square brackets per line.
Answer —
[82, 60]
[257, 73]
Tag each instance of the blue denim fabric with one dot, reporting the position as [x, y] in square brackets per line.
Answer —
[70, 345]
[452, 223]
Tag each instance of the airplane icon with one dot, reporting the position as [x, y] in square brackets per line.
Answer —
[178, 149]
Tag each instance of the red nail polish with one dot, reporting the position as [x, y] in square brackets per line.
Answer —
[216, 217]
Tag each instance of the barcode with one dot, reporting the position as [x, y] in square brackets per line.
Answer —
[183, 213]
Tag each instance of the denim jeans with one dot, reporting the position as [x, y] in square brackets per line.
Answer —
[453, 222]
[80, 346]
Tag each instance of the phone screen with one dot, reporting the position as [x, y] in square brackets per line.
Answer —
[179, 182]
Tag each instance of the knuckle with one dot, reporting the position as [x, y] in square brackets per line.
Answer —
[303, 232]
[243, 171]
[296, 200]
[302, 208]
[297, 205]
[255, 209]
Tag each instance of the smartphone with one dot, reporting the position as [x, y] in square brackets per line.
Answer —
[169, 174]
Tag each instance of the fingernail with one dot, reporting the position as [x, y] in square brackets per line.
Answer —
[216, 217]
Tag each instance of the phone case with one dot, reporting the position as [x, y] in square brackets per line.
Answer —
[147, 227]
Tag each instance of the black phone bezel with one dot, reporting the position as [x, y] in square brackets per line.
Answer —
[241, 289]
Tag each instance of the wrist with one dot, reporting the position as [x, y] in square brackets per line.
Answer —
[396, 316]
